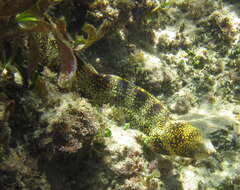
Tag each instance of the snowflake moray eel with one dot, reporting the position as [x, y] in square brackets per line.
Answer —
[145, 112]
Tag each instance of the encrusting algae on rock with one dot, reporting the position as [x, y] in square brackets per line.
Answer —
[145, 113]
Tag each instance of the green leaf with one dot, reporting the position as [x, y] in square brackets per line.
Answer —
[79, 40]
[126, 126]
[26, 17]
[108, 132]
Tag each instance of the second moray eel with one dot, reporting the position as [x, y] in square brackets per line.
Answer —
[145, 112]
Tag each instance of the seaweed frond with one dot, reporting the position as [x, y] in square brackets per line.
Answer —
[93, 34]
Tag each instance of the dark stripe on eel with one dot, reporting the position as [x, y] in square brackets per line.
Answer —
[159, 144]
[154, 109]
[140, 99]
[101, 82]
[122, 88]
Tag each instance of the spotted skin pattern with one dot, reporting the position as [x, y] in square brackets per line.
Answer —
[144, 111]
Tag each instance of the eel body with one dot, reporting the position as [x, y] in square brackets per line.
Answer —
[145, 113]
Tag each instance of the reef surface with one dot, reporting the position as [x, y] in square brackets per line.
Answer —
[184, 52]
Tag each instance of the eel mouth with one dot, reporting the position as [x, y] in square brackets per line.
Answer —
[205, 150]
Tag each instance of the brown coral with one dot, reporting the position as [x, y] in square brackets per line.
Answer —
[73, 125]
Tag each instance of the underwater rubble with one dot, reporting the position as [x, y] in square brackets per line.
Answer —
[184, 52]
